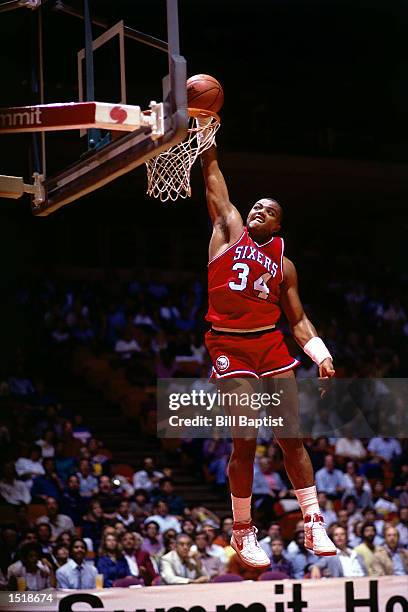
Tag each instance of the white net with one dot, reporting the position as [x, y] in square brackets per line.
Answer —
[168, 174]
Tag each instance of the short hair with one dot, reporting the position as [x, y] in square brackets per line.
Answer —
[155, 523]
[30, 547]
[277, 539]
[179, 536]
[74, 541]
[44, 524]
[165, 479]
[365, 525]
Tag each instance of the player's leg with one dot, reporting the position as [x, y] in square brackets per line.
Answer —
[298, 465]
[240, 476]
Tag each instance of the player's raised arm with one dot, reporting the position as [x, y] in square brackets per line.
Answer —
[302, 329]
[226, 220]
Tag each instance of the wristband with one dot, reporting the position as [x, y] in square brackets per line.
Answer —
[317, 350]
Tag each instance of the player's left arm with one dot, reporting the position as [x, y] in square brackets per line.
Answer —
[302, 329]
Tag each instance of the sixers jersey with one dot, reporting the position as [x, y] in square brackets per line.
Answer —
[243, 284]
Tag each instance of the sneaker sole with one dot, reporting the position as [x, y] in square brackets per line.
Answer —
[322, 554]
[247, 563]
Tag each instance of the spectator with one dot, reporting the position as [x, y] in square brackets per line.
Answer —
[367, 548]
[402, 526]
[166, 493]
[141, 507]
[293, 548]
[153, 541]
[65, 539]
[390, 559]
[169, 541]
[224, 537]
[48, 484]
[387, 449]
[381, 501]
[149, 477]
[44, 536]
[358, 492]
[29, 466]
[127, 345]
[279, 563]
[211, 564]
[46, 443]
[111, 563]
[72, 504]
[274, 531]
[349, 447]
[64, 466]
[93, 523]
[107, 497]
[61, 554]
[162, 517]
[31, 567]
[327, 513]
[213, 549]
[57, 522]
[302, 559]
[76, 574]
[125, 516]
[138, 560]
[71, 445]
[13, 491]
[88, 483]
[8, 547]
[180, 567]
[330, 480]
[350, 475]
[189, 527]
[347, 563]
[81, 431]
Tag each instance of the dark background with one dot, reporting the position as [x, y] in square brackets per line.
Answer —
[316, 98]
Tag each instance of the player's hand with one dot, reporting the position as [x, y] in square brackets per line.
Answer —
[326, 368]
[326, 371]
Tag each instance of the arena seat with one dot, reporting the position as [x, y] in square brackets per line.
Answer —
[227, 578]
[273, 576]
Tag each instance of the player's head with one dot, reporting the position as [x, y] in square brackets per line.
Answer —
[264, 219]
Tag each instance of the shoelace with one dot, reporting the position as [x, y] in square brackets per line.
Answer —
[250, 537]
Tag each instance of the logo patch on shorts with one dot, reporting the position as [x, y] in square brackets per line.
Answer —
[222, 363]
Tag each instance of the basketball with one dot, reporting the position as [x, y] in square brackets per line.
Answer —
[203, 91]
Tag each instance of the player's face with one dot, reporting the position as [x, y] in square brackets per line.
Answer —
[264, 217]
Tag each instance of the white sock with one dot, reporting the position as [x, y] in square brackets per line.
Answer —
[241, 509]
[307, 499]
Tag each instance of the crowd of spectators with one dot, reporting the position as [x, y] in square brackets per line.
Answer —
[97, 527]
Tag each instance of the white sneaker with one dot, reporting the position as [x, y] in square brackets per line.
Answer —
[316, 538]
[245, 544]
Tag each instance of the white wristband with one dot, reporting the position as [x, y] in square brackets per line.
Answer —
[317, 350]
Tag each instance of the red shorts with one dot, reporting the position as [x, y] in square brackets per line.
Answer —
[254, 354]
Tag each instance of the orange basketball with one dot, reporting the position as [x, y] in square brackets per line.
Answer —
[203, 91]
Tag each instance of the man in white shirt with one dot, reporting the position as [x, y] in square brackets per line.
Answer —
[30, 466]
[148, 478]
[13, 491]
[385, 448]
[347, 563]
[57, 522]
[329, 479]
[163, 518]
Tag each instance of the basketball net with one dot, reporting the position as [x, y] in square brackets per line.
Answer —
[168, 174]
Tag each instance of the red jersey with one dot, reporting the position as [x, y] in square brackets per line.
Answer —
[244, 284]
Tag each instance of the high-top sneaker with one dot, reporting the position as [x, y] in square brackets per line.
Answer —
[245, 544]
[316, 538]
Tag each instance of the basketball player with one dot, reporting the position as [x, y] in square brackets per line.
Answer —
[249, 282]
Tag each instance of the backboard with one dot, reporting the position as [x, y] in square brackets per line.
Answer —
[122, 132]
